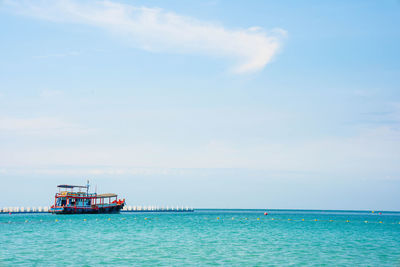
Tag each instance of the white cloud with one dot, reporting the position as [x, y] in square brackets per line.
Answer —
[40, 126]
[155, 29]
[115, 171]
[372, 153]
[395, 112]
[51, 93]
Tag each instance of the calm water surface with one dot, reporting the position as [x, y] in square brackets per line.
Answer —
[205, 237]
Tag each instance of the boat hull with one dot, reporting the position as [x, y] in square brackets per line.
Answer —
[91, 210]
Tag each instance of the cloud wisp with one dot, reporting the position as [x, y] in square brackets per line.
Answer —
[43, 126]
[58, 55]
[157, 30]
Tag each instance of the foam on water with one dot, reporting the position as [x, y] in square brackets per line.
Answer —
[241, 237]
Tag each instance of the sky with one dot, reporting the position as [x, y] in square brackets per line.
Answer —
[207, 104]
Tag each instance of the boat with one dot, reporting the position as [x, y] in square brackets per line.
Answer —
[67, 201]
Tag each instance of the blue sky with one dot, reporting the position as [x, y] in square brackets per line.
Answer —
[222, 104]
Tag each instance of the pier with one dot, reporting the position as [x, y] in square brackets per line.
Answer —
[156, 209]
[8, 210]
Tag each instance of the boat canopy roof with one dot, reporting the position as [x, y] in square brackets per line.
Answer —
[106, 195]
[70, 186]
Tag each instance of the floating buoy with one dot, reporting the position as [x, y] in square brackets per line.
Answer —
[366, 221]
[373, 211]
[258, 219]
[84, 220]
[347, 221]
[233, 218]
[289, 219]
[380, 222]
[9, 213]
[56, 220]
[272, 219]
[265, 213]
[380, 213]
[26, 220]
[217, 218]
[302, 220]
[331, 220]
[315, 220]
[109, 219]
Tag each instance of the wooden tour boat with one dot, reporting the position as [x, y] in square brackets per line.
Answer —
[69, 202]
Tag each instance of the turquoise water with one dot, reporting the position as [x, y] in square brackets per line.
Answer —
[205, 237]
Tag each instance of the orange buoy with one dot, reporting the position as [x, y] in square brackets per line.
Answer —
[265, 213]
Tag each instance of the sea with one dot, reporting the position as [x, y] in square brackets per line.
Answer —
[202, 238]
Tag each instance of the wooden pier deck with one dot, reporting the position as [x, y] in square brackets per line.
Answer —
[8, 210]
